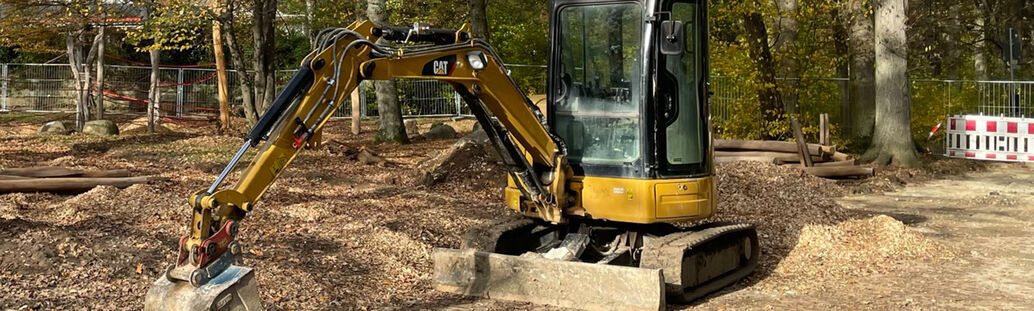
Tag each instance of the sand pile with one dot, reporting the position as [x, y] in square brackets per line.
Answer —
[805, 234]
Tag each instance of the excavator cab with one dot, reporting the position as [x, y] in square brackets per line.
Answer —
[628, 88]
[628, 96]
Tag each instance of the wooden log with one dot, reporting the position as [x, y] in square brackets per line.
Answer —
[69, 184]
[9, 177]
[802, 145]
[824, 129]
[769, 145]
[55, 171]
[840, 156]
[780, 156]
[728, 159]
[840, 171]
[837, 163]
[41, 172]
[106, 173]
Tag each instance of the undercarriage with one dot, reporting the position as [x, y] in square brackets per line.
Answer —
[600, 260]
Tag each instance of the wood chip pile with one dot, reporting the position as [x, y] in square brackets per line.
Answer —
[807, 239]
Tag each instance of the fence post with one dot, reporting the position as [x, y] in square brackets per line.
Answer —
[179, 92]
[3, 99]
[362, 101]
[456, 99]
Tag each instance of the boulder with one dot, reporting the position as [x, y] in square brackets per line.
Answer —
[100, 127]
[440, 131]
[55, 127]
[477, 136]
[411, 127]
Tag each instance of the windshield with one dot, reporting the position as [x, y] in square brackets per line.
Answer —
[597, 99]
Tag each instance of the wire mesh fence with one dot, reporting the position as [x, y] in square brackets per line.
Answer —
[187, 92]
[734, 104]
[193, 92]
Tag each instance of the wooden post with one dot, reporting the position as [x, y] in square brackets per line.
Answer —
[802, 145]
[220, 69]
[356, 113]
[824, 129]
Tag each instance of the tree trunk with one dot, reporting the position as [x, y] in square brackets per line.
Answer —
[310, 22]
[785, 47]
[391, 128]
[74, 63]
[220, 70]
[979, 46]
[860, 31]
[360, 10]
[477, 10]
[153, 94]
[953, 53]
[263, 20]
[840, 46]
[756, 35]
[98, 95]
[87, 90]
[243, 80]
[892, 137]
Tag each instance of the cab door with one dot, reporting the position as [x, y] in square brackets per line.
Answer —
[683, 146]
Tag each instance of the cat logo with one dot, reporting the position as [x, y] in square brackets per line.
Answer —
[441, 66]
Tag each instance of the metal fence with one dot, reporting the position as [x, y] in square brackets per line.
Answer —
[187, 92]
[735, 104]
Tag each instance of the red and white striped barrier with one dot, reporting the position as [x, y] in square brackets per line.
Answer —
[991, 138]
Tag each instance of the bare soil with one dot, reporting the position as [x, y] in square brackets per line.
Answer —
[336, 234]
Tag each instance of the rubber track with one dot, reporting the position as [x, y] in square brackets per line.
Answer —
[667, 254]
[485, 238]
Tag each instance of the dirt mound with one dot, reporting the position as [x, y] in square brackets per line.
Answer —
[468, 163]
[805, 234]
[83, 206]
[139, 125]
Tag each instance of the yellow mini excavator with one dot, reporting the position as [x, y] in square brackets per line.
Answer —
[623, 151]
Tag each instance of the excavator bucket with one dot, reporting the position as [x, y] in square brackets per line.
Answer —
[566, 284]
[234, 289]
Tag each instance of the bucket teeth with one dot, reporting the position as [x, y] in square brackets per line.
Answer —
[235, 288]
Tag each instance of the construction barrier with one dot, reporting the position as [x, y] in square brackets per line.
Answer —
[991, 138]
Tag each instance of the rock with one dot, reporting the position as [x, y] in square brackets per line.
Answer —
[476, 127]
[55, 127]
[100, 127]
[411, 127]
[478, 136]
[440, 131]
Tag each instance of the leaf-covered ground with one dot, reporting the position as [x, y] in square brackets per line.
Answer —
[336, 234]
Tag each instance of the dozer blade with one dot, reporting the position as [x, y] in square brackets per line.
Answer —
[544, 281]
[234, 289]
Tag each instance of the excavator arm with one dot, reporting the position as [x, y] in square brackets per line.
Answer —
[344, 57]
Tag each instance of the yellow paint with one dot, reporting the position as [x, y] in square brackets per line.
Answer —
[636, 200]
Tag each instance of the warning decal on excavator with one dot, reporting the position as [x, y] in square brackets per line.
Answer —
[278, 165]
[441, 66]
